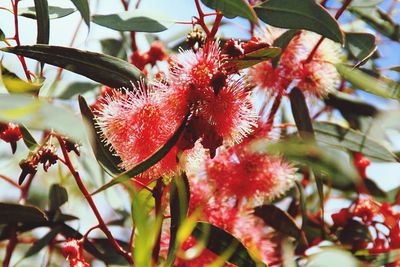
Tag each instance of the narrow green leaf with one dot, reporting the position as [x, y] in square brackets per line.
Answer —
[279, 220]
[349, 104]
[55, 12]
[57, 197]
[301, 114]
[83, 8]
[115, 47]
[77, 88]
[361, 45]
[233, 8]
[102, 68]
[374, 189]
[14, 84]
[39, 114]
[365, 3]
[395, 68]
[219, 241]
[103, 153]
[14, 213]
[108, 249]
[149, 162]
[42, 242]
[378, 20]
[179, 205]
[345, 138]
[29, 141]
[363, 81]
[138, 20]
[305, 14]
[2, 35]
[43, 22]
[380, 259]
[253, 58]
[282, 42]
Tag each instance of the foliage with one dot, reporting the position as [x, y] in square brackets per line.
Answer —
[255, 143]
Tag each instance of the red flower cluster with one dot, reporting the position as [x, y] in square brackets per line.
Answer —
[155, 53]
[382, 219]
[73, 252]
[316, 76]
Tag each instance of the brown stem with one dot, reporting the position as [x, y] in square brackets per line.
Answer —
[89, 199]
[157, 194]
[200, 21]
[25, 189]
[12, 243]
[9, 180]
[16, 38]
[274, 109]
[215, 27]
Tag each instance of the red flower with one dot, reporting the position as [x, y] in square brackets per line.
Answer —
[138, 124]
[11, 134]
[240, 173]
[341, 218]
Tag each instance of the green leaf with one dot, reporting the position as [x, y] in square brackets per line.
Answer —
[220, 241]
[381, 259]
[361, 45]
[395, 68]
[2, 35]
[137, 21]
[253, 58]
[55, 12]
[102, 68]
[363, 81]
[42, 23]
[102, 152]
[348, 104]
[374, 189]
[83, 8]
[301, 114]
[282, 42]
[115, 47]
[149, 162]
[57, 197]
[14, 84]
[108, 249]
[365, 3]
[42, 242]
[29, 141]
[39, 114]
[305, 14]
[14, 213]
[333, 258]
[378, 20]
[322, 160]
[279, 220]
[179, 205]
[345, 138]
[77, 88]
[233, 8]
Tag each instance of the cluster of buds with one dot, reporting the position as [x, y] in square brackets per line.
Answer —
[195, 38]
[45, 155]
[370, 215]
[155, 53]
[10, 133]
[73, 252]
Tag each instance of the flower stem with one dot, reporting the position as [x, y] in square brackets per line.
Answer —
[89, 199]
[12, 243]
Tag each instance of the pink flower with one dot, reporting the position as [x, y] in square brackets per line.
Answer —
[243, 174]
[139, 123]
[316, 76]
